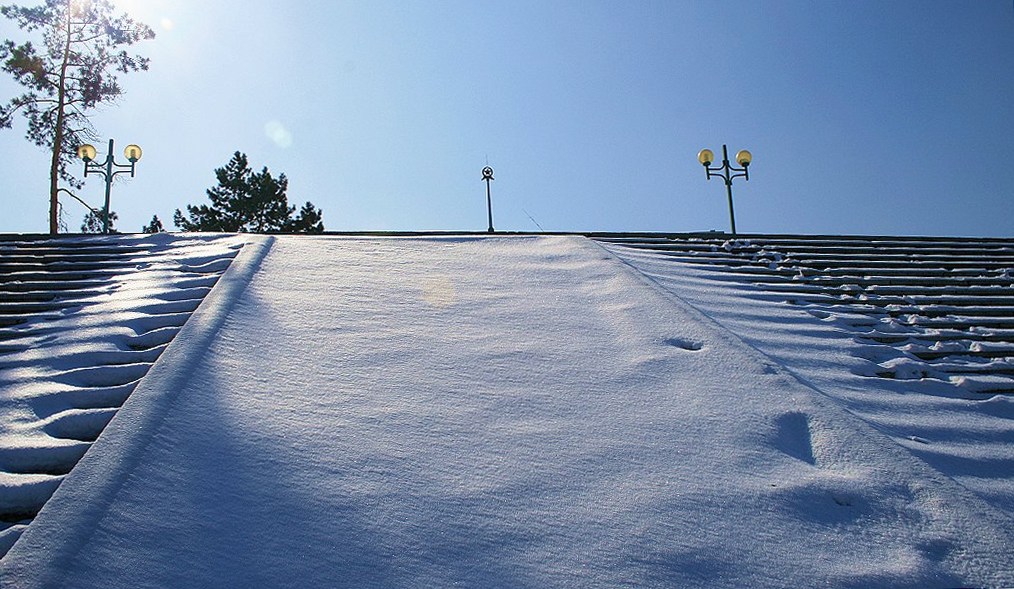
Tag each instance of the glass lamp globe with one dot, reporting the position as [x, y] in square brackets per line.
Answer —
[744, 158]
[132, 152]
[706, 156]
[87, 152]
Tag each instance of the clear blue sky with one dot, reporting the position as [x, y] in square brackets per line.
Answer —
[864, 117]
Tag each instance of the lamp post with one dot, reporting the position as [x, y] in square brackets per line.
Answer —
[487, 176]
[108, 169]
[727, 172]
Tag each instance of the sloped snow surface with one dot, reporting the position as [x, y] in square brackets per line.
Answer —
[489, 412]
[81, 321]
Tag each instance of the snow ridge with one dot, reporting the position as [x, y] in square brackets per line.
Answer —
[81, 322]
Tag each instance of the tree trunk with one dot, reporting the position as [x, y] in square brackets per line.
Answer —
[54, 166]
[54, 178]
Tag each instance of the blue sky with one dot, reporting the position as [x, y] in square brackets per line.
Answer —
[863, 117]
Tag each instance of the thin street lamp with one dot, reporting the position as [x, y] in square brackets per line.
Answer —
[108, 169]
[727, 172]
[487, 176]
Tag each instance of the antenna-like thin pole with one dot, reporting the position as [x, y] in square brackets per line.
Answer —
[487, 176]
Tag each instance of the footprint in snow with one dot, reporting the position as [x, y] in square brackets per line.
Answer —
[685, 344]
[792, 436]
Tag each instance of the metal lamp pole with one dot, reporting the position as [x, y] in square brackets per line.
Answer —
[727, 172]
[108, 169]
[487, 176]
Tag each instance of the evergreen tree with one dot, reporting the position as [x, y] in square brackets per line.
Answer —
[70, 73]
[154, 227]
[250, 202]
[309, 220]
[93, 222]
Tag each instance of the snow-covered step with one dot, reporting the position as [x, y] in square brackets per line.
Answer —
[914, 251]
[49, 285]
[914, 267]
[958, 323]
[885, 337]
[9, 268]
[830, 245]
[982, 281]
[848, 242]
[898, 257]
[866, 270]
[966, 295]
[979, 306]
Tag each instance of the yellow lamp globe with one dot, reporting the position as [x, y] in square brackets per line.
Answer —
[87, 152]
[132, 153]
[744, 158]
[706, 156]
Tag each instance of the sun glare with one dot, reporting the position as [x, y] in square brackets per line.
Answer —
[144, 11]
[131, 7]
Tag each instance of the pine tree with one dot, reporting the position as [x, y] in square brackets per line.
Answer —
[309, 220]
[155, 226]
[93, 222]
[250, 202]
[73, 71]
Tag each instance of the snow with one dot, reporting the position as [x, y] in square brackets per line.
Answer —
[99, 312]
[966, 442]
[510, 412]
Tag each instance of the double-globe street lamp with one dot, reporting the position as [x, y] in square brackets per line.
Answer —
[727, 172]
[108, 169]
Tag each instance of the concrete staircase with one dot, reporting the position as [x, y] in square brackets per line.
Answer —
[82, 319]
[944, 307]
